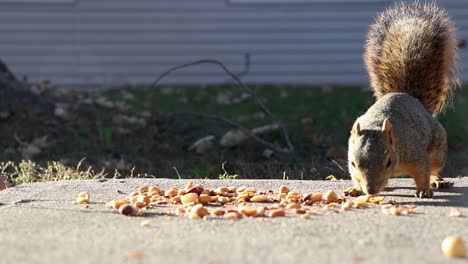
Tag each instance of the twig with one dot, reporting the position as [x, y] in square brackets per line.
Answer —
[239, 84]
[236, 125]
[339, 166]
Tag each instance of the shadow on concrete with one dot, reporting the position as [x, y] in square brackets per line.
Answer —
[454, 197]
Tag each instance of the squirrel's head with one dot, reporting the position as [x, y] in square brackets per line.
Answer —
[371, 156]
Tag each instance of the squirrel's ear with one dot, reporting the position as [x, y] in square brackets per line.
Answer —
[387, 128]
[356, 128]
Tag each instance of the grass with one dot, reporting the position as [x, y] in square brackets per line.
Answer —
[29, 171]
[318, 119]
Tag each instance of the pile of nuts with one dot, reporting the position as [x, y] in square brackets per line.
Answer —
[233, 203]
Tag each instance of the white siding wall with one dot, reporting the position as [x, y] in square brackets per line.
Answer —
[109, 42]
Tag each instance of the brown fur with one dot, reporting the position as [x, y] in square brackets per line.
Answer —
[410, 54]
[411, 49]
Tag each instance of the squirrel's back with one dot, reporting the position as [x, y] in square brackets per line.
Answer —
[411, 49]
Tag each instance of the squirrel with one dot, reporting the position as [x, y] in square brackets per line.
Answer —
[410, 55]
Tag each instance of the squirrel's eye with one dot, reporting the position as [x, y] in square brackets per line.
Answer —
[389, 163]
[352, 163]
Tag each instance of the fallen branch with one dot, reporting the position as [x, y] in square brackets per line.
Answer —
[240, 84]
[236, 125]
[235, 137]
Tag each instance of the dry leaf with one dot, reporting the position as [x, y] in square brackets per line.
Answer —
[203, 144]
[232, 138]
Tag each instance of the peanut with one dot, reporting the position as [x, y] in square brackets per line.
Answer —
[181, 192]
[188, 185]
[347, 205]
[283, 189]
[248, 210]
[376, 199]
[276, 213]
[314, 197]
[365, 198]
[116, 204]
[454, 247]
[143, 199]
[241, 189]
[139, 204]
[170, 193]
[143, 189]
[293, 196]
[217, 212]
[293, 206]
[82, 200]
[331, 196]
[232, 216]
[84, 195]
[249, 190]
[175, 200]
[281, 196]
[244, 196]
[127, 209]
[221, 190]
[260, 199]
[223, 199]
[204, 198]
[299, 211]
[146, 223]
[153, 190]
[189, 198]
[198, 189]
[260, 211]
[395, 210]
[359, 203]
[305, 216]
[199, 210]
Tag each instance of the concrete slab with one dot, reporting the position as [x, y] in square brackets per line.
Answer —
[40, 223]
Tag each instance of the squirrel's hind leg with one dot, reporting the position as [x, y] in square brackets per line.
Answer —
[437, 158]
[420, 172]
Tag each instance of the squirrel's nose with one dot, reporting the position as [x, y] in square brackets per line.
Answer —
[371, 190]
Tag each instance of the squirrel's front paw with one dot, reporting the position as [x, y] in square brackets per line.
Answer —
[353, 192]
[428, 193]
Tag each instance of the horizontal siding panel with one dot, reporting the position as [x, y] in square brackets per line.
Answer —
[305, 59]
[189, 38]
[97, 42]
[176, 47]
[200, 26]
[124, 69]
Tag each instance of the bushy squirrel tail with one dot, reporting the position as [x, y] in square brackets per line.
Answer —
[411, 48]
